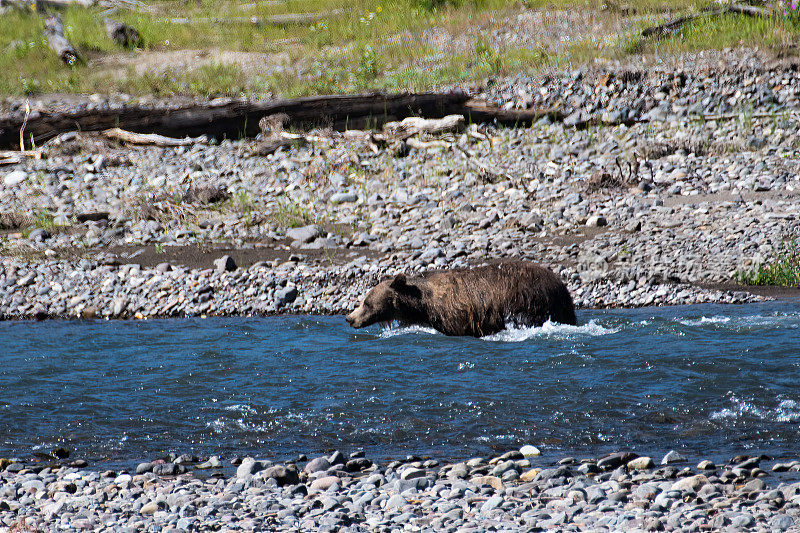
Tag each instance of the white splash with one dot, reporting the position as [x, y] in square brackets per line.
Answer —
[785, 411]
[550, 330]
[790, 320]
[394, 329]
[511, 333]
[718, 319]
[241, 408]
[788, 411]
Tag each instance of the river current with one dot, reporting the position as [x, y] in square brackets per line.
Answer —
[708, 380]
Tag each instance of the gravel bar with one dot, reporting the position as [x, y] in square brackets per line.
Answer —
[703, 184]
[516, 491]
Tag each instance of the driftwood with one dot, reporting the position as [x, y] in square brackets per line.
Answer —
[147, 138]
[676, 24]
[54, 32]
[744, 9]
[123, 34]
[238, 117]
[479, 111]
[411, 126]
[268, 146]
[7, 158]
[424, 145]
[285, 19]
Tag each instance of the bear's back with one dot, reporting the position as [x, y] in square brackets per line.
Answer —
[480, 301]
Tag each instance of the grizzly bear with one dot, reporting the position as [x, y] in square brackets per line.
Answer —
[477, 301]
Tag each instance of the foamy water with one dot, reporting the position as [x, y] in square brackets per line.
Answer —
[512, 333]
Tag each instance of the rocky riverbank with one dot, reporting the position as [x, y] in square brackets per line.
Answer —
[515, 491]
[698, 182]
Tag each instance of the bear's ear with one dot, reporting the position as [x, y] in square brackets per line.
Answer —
[399, 282]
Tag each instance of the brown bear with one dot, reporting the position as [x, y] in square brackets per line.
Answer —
[477, 301]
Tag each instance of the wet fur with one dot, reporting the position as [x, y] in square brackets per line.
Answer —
[477, 302]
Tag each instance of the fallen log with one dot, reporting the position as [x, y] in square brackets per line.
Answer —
[753, 11]
[42, 5]
[234, 118]
[673, 26]
[54, 32]
[123, 34]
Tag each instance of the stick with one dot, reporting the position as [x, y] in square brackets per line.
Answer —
[22, 129]
[147, 138]
[733, 116]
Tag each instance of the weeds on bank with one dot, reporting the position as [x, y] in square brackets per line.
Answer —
[44, 220]
[292, 214]
[782, 270]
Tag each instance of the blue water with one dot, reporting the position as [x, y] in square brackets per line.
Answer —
[713, 381]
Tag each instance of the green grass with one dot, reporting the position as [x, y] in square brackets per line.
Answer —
[776, 32]
[782, 270]
[292, 214]
[370, 44]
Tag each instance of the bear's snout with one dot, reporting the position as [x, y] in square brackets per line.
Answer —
[352, 319]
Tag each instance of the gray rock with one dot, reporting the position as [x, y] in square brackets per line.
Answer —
[282, 474]
[781, 522]
[249, 467]
[14, 178]
[285, 295]
[491, 504]
[39, 235]
[411, 473]
[673, 457]
[395, 502]
[225, 264]
[596, 221]
[343, 197]
[304, 234]
[144, 467]
[319, 464]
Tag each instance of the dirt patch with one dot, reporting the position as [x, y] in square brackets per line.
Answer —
[200, 257]
[144, 61]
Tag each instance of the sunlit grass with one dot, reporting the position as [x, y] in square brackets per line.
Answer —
[362, 45]
[782, 269]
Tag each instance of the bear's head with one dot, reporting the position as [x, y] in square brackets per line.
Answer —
[391, 299]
